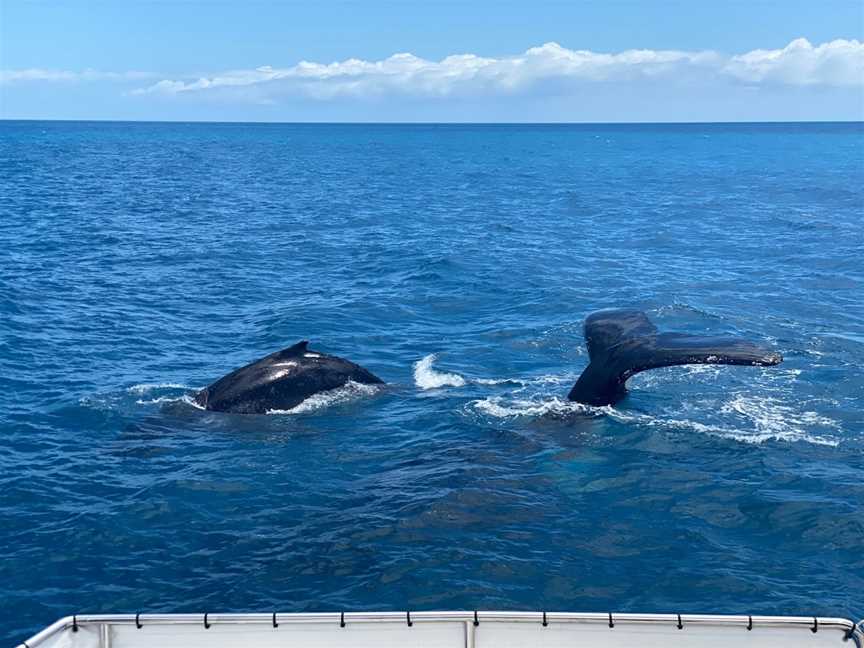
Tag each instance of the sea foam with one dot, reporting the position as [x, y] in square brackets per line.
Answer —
[146, 388]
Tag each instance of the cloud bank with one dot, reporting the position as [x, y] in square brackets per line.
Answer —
[836, 63]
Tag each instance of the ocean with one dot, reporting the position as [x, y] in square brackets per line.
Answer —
[140, 261]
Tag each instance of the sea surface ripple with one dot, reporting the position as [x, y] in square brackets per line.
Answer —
[140, 261]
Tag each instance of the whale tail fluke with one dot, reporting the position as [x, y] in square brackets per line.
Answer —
[623, 342]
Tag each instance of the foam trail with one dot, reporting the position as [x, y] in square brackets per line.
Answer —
[774, 420]
[524, 382]
[348, 392]
[160, 399]
[500, 408]
[764, 420]
[425, 376]
[498, 381]
[145, 388]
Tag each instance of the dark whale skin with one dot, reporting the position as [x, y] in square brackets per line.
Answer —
[623, 342]
[280, 381]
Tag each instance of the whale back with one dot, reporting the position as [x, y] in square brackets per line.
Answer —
[281, 381]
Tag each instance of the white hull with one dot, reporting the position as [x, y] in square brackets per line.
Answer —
[443, 630]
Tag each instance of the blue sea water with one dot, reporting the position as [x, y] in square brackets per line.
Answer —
[140, 261]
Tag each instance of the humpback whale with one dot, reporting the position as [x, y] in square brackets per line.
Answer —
[623, 342]
[281, 380]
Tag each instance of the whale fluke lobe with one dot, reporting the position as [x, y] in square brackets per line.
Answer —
[623, 342]
[281, 381]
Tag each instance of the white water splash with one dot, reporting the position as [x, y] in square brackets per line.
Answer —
[425, 376]
[348, 392]
[189, 399]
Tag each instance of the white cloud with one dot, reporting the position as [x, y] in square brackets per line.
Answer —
[35, 74]
[461, 73]
[39, 74]
[839, 62]
[836, 63]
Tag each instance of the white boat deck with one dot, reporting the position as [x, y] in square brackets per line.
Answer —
[444, 630]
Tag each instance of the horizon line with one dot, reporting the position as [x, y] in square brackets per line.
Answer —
[436, 123]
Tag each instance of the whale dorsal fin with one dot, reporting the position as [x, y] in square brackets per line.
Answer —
[623, 342]
[297, 349]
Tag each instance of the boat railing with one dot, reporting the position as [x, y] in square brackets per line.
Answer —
[463, 629]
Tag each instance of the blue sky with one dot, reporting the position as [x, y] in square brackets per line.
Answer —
[613, 60]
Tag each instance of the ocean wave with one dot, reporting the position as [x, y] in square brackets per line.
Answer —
[500, 407]
[546, 379]
[159, 399]
[100, 401]
[498, 381]
[679, 307]
[347, 393]
[426, 377]
[155, 393]
[146, 388]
